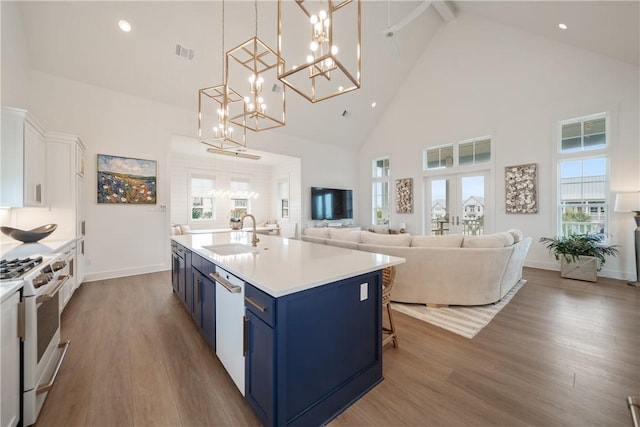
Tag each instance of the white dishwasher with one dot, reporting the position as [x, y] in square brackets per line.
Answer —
[230, 324]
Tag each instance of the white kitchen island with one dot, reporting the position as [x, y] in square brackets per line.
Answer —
[311, 340]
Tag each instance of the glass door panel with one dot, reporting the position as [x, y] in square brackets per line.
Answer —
[472, 204]
[457, 204]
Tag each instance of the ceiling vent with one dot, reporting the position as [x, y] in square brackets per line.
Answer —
[184, 52]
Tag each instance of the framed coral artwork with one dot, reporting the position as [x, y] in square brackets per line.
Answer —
[404, 195]
[521, 189]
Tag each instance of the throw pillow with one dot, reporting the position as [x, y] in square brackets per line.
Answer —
[509, 238]
[449, 241]
[386, 239]
[184, 229]
[517, 235]
[380, 229]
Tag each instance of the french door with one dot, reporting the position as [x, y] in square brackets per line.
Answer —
[458, 204]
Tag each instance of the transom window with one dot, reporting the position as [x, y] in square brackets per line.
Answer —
[582, 134]
[463, 153]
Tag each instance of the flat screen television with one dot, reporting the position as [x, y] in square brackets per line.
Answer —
[331, 203]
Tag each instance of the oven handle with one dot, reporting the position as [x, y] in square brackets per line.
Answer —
[43, 388]
[49, 296]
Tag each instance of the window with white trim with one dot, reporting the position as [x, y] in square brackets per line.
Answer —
[583, 175]
[463, 153]
[381, 183]
[202, 199]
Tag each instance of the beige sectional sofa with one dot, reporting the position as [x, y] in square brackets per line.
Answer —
[441, 270]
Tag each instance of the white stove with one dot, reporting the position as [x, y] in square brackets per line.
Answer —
[42, 277]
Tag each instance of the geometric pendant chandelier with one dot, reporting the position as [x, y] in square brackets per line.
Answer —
[252, 68]
[214, 127]
[322, 39]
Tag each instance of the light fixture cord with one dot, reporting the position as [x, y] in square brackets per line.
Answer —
[256, 11]
[222, 56]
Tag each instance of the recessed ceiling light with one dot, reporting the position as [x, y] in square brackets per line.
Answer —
[124, 25]
[562, 26]
[373, 105]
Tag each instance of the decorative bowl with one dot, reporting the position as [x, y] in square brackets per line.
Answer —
[29, 236]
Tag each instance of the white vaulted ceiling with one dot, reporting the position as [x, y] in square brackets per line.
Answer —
[81, 41]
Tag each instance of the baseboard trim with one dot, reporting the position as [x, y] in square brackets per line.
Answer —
[104, 275]
[555, 266]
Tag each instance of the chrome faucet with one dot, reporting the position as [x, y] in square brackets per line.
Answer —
[254, 238]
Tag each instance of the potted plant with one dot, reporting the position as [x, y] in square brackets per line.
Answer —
[581, 256]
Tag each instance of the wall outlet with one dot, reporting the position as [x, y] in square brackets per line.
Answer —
[364, 291]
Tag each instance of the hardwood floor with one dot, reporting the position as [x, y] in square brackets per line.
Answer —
[562, 352]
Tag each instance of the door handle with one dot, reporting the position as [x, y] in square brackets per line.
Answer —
[225, 283]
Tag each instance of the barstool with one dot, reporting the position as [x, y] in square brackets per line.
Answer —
[388, 277]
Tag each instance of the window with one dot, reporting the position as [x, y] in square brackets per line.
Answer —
[463, 153]
[202, 200]
[474, 151]
[439, 157]
[583, 180]
[380, 191]
[587, 133]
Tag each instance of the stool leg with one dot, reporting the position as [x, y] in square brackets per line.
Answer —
[393, 328]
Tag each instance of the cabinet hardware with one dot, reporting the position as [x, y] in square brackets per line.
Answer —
[21, 324]
[43, 388]
[39, 193]
[82, 227]
[245, 335]
[225, 283]
[257, 305]
[198, 289]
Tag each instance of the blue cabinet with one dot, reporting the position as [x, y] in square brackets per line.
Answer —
[311, 354]
[204, 311]
[179, 269]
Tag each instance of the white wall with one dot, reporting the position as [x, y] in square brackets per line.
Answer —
[291, 171]
[15, 62]
[480, 78]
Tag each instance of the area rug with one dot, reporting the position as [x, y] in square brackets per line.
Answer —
[462, 320]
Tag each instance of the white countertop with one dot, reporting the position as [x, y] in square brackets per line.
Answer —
[285, 266]
[22, 250]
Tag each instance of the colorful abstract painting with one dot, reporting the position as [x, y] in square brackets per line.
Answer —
[126, 180]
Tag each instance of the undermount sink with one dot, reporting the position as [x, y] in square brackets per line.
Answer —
[232, 249]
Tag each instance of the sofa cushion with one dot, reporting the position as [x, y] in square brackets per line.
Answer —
[346, 235]
[485, 241]
[517, 235]
[317, 232]
[449, 241]
[314, 239]
[385, 239]
[342, 243]
[185, 229]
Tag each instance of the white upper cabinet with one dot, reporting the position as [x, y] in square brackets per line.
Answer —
[23, 160]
